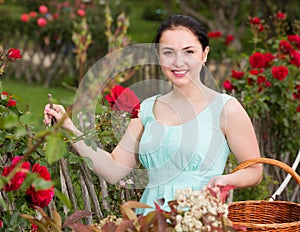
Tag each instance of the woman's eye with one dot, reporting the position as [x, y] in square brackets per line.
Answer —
[167, 53]
[189, 52]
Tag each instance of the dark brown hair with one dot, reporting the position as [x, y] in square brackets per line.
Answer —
[189, 22]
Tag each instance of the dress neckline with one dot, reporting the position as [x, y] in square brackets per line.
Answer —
[206, 108]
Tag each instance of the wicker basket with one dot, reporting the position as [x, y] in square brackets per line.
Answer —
[266, 215]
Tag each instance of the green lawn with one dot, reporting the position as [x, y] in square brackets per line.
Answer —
[34, 97]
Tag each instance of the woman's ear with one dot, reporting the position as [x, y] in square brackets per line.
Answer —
[205, 54]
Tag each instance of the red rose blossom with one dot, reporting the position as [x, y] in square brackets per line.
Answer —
[13, 54]
[298, 109]
[281, 15]
[280, 72]
[121, 98]
[255, 20]
[24, 18]
[16, 182]
[236, 75]
[285, 47]
[229, 39]
[256, 71]
[214, 34]
[295, 58]
[269, 58]
[268, 83]
[11, 102]
[43, 9]
[81, 12]
[41, 22]
[32, 14]
[261, 79]
[228, 85]
[261, 28]
[257, 60]
[41, 198]
[294, 39]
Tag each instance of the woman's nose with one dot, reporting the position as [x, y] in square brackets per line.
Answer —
[179, 60]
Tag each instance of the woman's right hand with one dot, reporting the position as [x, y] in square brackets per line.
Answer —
[59, 113]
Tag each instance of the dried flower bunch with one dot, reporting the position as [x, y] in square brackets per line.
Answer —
[201, 210]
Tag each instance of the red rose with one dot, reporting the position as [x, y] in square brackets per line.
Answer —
[256, 71]
[268, 83]
[281, 15]
[11, 102]
[294, 39]
[24, 18]
[32, 14]
[121, 98]
[261, 28]
[13, 54]
[255, 20]
[280, 72]
[236, 75]
[229, 39]
[295, 58]
[257, 60]
[41, 22]
[261, 79]
[268, 57]
[214, 34]
[81, 12]
[43, 9]
[228, 85]
[16, 182]
[40, 198]
[298, 109]
[285, 47]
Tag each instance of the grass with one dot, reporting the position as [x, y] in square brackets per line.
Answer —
[33, 98]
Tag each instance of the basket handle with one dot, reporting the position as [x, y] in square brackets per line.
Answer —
[274, 162]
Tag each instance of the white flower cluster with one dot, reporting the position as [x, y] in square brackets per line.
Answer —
[199, 211]
[109, 218]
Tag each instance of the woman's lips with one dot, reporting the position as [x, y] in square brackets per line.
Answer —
[179, 73]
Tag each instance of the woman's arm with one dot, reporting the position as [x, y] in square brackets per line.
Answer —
[242, 141]
[112, 167]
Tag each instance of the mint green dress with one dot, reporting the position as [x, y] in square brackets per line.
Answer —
[181, 156]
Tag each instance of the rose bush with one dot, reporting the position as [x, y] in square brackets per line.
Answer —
[267, 83]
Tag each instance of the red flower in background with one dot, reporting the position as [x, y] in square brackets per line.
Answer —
[13, 54]
[32, 14]
[256, 71]
[16, 182]
[81, 12]
[214, 34]
[294, 39]
[285, 47]
[228, 85]
[24, 18]
[229, 39]
[121, 98]
[295, 58]
[255, 20]
[257, 60]
[43, 9]
[280, 72]
[236, 75]
[41, 22]
[281, 15]
[40, 198]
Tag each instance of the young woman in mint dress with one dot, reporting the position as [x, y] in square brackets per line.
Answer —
[182, 138]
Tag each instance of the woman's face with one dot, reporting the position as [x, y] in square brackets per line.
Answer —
[181, 55]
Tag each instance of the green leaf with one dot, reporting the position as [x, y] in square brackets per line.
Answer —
[56, 148]
[30, 119]
[42, 184]
[9, 122]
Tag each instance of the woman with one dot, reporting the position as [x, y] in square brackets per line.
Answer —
[183, 138]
